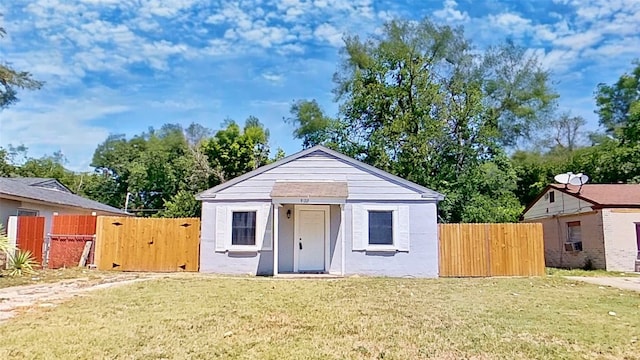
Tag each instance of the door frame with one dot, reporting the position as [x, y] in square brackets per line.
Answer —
[296, 232]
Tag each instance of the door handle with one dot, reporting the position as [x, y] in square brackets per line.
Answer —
[300, 244]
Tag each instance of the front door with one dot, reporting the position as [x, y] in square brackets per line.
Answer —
[311, 238]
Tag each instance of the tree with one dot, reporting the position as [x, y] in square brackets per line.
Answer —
[618, 106]
[615, 158]
[312, 126]
[11, 80]
[152, 167]
[564, 133]
[6, 167]
[182, 204]
[420, 102]
[233, 151]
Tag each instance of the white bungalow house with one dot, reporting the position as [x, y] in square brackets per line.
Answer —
[319, 211]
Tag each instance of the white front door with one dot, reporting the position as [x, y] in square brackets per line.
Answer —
[311, 237]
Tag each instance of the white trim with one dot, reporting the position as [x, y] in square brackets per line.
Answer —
[327, 232]
[276, 236]
[260, 228]
[342, 240]
[395, 223]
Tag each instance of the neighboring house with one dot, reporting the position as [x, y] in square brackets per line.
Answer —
[44, 197]
[599, 223]
[319, 211]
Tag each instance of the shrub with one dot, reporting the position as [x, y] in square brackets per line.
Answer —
[22, 262]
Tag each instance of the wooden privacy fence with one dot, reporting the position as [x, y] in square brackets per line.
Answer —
[30, 235]
[147, 244]
[491, 250]
[71, 237]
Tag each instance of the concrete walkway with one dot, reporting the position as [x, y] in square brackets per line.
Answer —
[626, 283]
[14, 300]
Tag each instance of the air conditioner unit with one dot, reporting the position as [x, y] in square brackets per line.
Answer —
[573, 246]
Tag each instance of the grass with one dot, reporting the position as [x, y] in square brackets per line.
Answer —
[200, 317]
[590, 273]
[46, 276]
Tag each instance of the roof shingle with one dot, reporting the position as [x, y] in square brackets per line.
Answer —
[614, 195]
[312, 189]
[28, 188]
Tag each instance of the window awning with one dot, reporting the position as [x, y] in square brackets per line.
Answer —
[310, 189]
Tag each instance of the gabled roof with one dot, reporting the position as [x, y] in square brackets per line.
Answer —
[604, 195]
[600, 195]
[50, 191]
[425, 192]
[43, 182]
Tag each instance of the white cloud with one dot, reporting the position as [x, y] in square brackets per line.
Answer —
[513, 24]
[65, 125]
[272, 77]
[329, 33]
[450, 13]
[579, 41]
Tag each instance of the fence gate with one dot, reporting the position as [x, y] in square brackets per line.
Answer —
[491, 249]
[68, 238]
[30, 235]
[147, 244]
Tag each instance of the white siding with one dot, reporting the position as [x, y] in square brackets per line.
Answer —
[319, 166]
[563, 204]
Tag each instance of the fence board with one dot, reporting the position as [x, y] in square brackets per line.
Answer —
[67, 240]
[491, 250]
[144, 244]
[30, 235]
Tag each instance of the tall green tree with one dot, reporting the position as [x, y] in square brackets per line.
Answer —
[313, 126]
[421, 102]
[11, 80]
[615, 158]
[234, 151]
[619, 107]
[6, 167]
[150, 167]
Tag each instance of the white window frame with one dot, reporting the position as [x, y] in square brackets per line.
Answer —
[260, 228]
[394, 227]
[571, 224]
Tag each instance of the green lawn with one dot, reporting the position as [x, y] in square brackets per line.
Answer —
[204, 317]
[589, 273]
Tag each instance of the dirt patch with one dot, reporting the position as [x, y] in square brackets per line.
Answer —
[625, 283]
[17, 299]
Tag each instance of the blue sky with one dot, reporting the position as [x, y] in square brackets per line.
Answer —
[121, 66]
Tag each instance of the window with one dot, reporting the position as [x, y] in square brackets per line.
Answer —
[380, 227]
[27, 212]
[574, 237]
[243, 228]
[552, 196]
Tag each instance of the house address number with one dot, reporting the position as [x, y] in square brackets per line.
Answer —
[304, 201]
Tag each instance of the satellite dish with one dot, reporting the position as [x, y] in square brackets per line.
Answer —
[563, 178]
[578, 179]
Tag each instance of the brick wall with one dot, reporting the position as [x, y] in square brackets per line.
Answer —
[555, 235]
